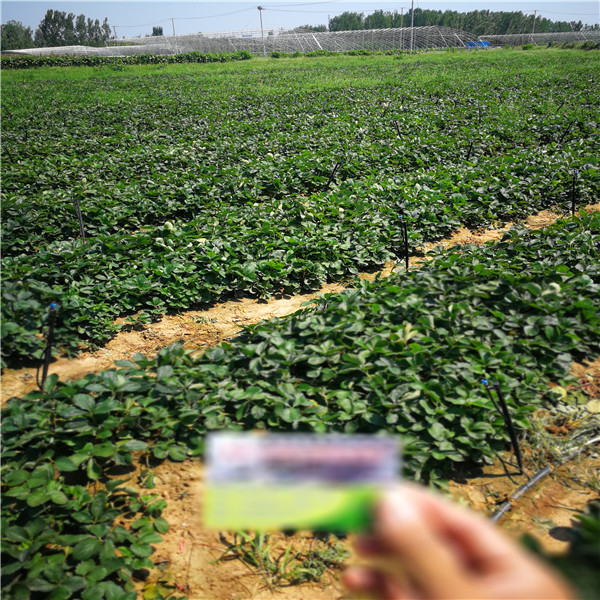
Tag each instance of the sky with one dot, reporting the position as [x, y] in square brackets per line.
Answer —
[138, 17]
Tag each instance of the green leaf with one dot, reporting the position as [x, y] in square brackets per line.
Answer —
[65, 464]
[97, 573]
[103, 450]
[84, 567]
[75, 583]
[87, 548]
[150, 538]
[93, 469]
[57, 497]
[38, 584]
[161, 525]
[61, 592]
[92, 593]
[142, 550]
[84, 401]
[134, 445]
[19, 591]
[177, 453]
[9, 569]
[16, 534]
[437, 431]
[37, 497]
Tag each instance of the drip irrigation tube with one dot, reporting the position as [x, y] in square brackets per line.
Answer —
[508, 505]
[47, 355]
[335, 168]
[503, 410]
[404, 232]
[470, 148]
[574, 192]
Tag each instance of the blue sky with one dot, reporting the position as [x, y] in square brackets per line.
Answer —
[138, 18]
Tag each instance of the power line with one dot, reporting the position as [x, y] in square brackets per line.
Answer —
[307, 3]
[325, 12]
[145, 25]
[233, 12]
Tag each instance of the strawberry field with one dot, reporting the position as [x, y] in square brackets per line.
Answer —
[199, 183]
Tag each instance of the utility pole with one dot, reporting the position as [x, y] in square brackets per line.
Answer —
[262, 33]
[115, 31]
[401, 27]
[534, 16]
[412, 22]
[173, 23]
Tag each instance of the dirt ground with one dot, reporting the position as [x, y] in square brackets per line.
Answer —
[188, 558]
[190, 553]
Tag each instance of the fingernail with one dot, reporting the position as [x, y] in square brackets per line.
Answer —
[396, 509]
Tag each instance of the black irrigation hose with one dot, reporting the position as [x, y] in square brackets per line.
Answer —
[573, 192]
[507, 420]
[404, 228]
[470, 148]
[80, 217]
[511, 430]
[48, 349]
[337, 166]
[508, 505]
[562, 137]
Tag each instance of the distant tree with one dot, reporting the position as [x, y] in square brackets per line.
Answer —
[347, 21]
[14, 36]
[478, 22]
[157, 31]
[55, 29]
[378, 20]
[80, 29]
[309, 28]
[61, 29]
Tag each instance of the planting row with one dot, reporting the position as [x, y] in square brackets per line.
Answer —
[403, 355]
[196, 189]
[139, 152]
[32, 62]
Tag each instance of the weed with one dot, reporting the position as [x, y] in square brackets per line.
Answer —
[280, 562]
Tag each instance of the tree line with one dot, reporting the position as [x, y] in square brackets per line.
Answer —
[55, 29]
[66, 29]
[477, 22]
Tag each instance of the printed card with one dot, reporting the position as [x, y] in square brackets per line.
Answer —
[270, 481]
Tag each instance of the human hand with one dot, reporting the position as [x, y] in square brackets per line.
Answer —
[424, 547]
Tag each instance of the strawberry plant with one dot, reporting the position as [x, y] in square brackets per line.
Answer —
[403, 354]
[194, 189]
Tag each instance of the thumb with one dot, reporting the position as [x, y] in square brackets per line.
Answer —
[427, 560]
